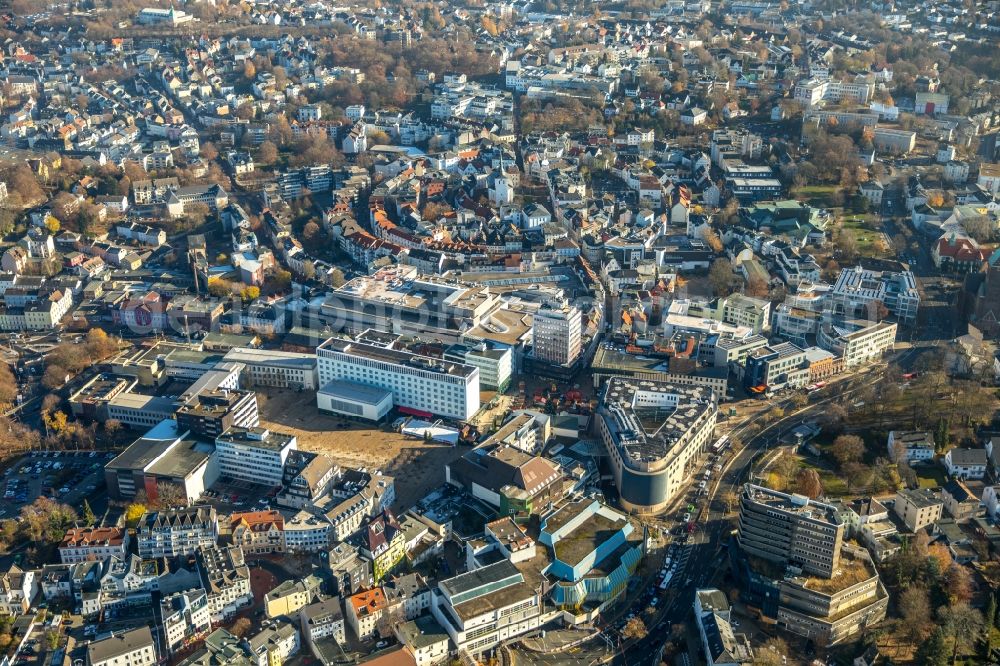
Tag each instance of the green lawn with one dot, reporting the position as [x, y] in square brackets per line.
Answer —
[866, 232]
[930, 476]
[816, 195]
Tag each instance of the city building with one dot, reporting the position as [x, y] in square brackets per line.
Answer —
[721, 645]
[480, 609]
[910, 445]
[595, 551]
[419, 385]
[164, 455]
[322, 619]
[966, 463]
[791, 530]
[365, 611]
[858, 291]
[654, 433]
[796, 568]
[776, 366]
[210, 413]
[184, 617]
[92, 543]
[276, 369]
[129, 648]
[918, 508]
[226, 578]
[556, 335]
[256, 454]
[175, 532]
[258, 532]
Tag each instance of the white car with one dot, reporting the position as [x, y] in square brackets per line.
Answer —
[702, 485]
[686, 518]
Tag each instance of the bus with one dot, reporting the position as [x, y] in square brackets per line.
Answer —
[666, 580]
[720, 444]
[815, 387]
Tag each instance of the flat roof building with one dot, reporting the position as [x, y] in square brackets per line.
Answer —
[420, 385]
[654, 432]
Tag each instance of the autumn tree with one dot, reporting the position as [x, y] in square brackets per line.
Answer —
[88, 514]
[915, 609]
[209, 152]
[808, 483]
[847, 449]
[54, 377]
[635, 628]
[46, 520]
[712, 239]
[720, 277]
[962, 624]
[133, 512]
[267, 153]
[241, 627]
[8, 384]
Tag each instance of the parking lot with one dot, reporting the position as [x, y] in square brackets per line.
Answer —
[228, 495]
[67, 476]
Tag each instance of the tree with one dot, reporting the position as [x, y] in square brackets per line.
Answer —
[250, 293]
[46, 520]
[8, 384]
[712, 239]
[847, 245]
[100, 345]
[112, 427]
[773, 653]
[858, 475]
[720, 277]
[958, 584]
[963, 624]
[808, 483]
[249, 70]
[88, 513]
[847, 449]
[54, 377]
[133, 512]
[635, 628]
[833, 417]
[336, 278]
[268, 153]
[209, 152]
[52, 640]
[756, 287]
[240, 627]
[915, 609]
[170, 495]
[933, 651]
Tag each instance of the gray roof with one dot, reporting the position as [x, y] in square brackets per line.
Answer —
[120, 645]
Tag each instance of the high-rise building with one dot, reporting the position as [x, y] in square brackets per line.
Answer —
[790, 529]
[797, 569]
[556, 335]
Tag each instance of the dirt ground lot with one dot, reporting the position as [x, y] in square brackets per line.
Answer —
[417, 466]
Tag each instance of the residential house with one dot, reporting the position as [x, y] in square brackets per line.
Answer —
[966, 463]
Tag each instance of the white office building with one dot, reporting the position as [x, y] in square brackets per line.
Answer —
[482, 608]
[256, 455]
[419, 385]
[278, 369]
[556, 335]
